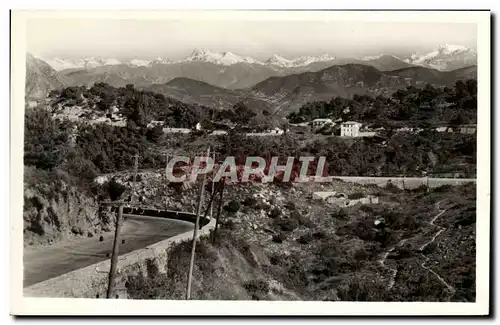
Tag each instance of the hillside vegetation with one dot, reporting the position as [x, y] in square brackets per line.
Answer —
[278, 244]
[410, 107]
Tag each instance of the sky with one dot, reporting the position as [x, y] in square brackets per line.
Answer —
[175, 39]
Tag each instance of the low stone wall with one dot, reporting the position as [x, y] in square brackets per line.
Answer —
[91, 281]
[407, 182]
[168, 214]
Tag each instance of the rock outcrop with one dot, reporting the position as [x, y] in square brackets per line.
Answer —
[54, 209]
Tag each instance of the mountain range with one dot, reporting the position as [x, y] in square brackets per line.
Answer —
[444, 57]
[231, 71]
[288, 93]
[209, 84]
[282, 95]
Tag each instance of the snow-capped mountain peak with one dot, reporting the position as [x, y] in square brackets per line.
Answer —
[158, 60]
[138, 63]
[277, 60]
[451, 49]
[380, 56]
[280, 61]
[82, 63]
[372, 57]
[60, 64]
[108, 61]
[306, 60]
[221, 58]
[445, 57]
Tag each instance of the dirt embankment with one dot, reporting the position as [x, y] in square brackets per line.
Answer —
[55, 209]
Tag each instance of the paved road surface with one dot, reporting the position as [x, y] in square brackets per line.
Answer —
[43, 263]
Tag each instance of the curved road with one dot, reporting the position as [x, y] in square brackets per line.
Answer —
[43, 263]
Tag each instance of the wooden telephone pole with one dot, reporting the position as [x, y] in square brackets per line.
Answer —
[166, 180]
[136, 167]
[114, 256]
[195, 232]
[213, 188]
[219, 208]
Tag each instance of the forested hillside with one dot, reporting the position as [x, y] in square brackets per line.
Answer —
[406, 107]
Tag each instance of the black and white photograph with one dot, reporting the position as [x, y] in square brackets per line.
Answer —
[162, 159]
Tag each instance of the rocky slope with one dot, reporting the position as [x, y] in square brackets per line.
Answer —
[40, 78]
[278, 243]
[55, 209]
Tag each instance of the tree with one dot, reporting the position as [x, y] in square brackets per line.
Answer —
[154, 134]
[46, 141]
[115, 190]
[242, 113]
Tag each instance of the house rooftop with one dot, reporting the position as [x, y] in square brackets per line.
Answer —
[351, 122]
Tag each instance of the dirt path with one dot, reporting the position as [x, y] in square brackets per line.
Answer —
[441, 229]
[394, 271]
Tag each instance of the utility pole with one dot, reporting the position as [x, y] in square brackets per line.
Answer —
[166, 180]
[213, 188]
[136, 166]
[195, 232]
[219, 208]
[114, 257]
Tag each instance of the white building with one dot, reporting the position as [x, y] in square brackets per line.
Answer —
[405, 129]
[320, 122]
[153, 124]
[176, 130]
[350, 129]
[275, 131]
[467, 129]
[218, 132]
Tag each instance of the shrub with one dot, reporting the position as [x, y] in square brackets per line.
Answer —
[319, 235]
[229, 224]
[115, 190]
[442, 189]
[429, 248]
[138, 178]
[256, 287]
[361, 254]
[279, 238]
[276, 259]
[232, 206]
[290, 205]
[286, 224]
[366, 208]
[154, 134]
[391, 187]
[402, 253]
[275, 213]
[305, 239]
[340, 214]
[302, 220]
[250, 201]
[356, 195]
[363, 290]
